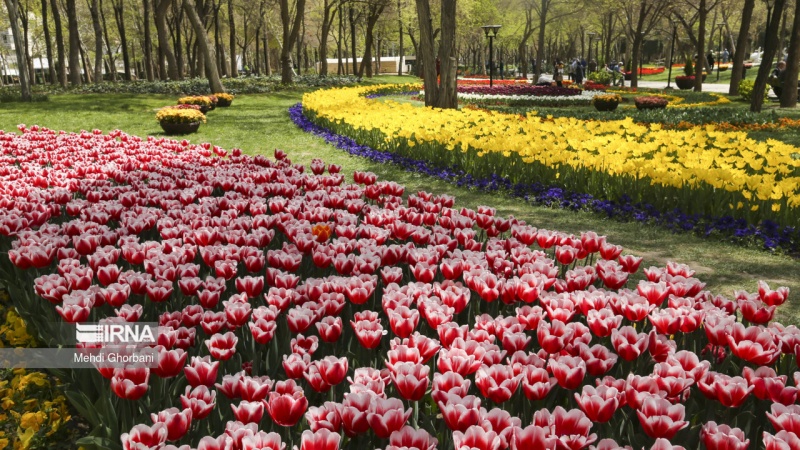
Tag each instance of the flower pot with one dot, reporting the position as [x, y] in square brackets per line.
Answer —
[684, 83]
[204, 109]
[222, 103]
[172, 128]
[605, 106]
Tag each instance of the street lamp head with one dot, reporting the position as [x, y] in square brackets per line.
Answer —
[491, 30]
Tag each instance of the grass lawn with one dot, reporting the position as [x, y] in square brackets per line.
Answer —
[724, 76]
[259, 123]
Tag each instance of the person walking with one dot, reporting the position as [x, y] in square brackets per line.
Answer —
[578, 73]
[558, 73]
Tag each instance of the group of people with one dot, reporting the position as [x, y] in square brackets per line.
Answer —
[575, 70]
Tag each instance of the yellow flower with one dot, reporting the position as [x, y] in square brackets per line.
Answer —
[702, 158]
[201, 100]
[24, 438]
[175, 115]
[36, 378]
[32, 420]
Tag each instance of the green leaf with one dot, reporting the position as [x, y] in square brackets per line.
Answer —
[99, 443]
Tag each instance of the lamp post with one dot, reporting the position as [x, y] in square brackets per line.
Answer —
[719, 51]
[592, 34]
[491, 32]
[672, 51]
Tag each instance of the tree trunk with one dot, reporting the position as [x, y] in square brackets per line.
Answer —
[87, 65]
[74, 44]
[328, 16]
[177, 41]
[340, 66]
[222, 63]
[298, 48]
[148, 43]
[25, 20]
[375, 11]
[448, 93]
[48, 44]
[700, 64]
[24, 80]
[119, 19]
[400, 31]
[94, 10]
[112, 60]
[438, 93]
[291, 31]
[232, 28]
[353, 39]
[267, 64]
[771, 45]
[165, 49]
[61, 66]
[741, 47]
[540, 46]
[204, 47]
[789, 94]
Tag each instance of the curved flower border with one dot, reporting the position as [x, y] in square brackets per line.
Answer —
[771, 235]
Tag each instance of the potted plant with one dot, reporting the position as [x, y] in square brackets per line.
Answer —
[600, 77]
[203, 101]
[606, 102]
[650, 102]
[214, 100]
[224, 100]
[180, 119]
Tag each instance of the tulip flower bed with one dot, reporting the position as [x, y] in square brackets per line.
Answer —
[584, 98]
[770, 236]
[527, 90]
[299, 309]
[698, 171]
[485, 82]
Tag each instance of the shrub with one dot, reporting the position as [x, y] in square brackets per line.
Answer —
[194, 86]
[688, 67]
[171, 114]
[746, 89]
[650, 102]
[600, 77]
[12, 96]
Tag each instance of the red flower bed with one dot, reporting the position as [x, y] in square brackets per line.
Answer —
[526, 89]
[647, 71]
[590, 85]
[650, 102]
[482, 82]
[296, 308]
